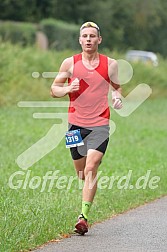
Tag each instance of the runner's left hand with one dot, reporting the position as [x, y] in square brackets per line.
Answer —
[117, 103]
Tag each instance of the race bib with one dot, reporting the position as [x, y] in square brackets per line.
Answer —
[73, 138]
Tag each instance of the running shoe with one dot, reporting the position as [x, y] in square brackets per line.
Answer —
[81, 226]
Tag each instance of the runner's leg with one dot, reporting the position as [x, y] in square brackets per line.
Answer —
[79, 165]
[90, 185]
[92, 163]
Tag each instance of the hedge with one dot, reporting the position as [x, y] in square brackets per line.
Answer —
[17, 32]
[61, 35]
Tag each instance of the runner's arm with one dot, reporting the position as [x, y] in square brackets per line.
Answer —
[113, 74]
[116, 89]
[57, 88]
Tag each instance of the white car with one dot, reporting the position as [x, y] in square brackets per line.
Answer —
[142, 56]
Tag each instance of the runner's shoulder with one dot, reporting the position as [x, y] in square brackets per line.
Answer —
[112, 62]
[112, 67]
[68, 62]
[67, 65]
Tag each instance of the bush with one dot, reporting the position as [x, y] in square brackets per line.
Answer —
[61, 35]
[16, 67]
[17, 32]
[18, 63]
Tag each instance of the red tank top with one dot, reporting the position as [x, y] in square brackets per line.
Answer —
[89, 105]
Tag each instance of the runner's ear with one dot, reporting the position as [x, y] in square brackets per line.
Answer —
[100, 40]
[79, 41]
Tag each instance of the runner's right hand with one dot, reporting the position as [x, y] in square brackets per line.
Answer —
[74, 86]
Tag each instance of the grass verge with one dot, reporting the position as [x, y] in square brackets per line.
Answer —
[30, 217]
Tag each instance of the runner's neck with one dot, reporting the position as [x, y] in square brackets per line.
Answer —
[90, 60]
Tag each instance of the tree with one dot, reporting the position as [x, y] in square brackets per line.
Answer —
[138, 24]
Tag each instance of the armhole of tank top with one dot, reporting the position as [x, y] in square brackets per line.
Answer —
[72, 67]
[75, 59]
[105, 59]
[108, 69]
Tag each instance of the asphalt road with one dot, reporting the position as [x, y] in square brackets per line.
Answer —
[143, 229]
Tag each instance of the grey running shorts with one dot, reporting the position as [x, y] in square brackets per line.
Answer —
[96, 138]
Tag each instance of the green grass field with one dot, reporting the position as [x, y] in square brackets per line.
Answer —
[31, 217]
[34, 211]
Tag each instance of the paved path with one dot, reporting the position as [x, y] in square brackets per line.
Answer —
[143, 229]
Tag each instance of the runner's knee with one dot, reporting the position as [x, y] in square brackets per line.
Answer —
[90, 170]
[81, 175]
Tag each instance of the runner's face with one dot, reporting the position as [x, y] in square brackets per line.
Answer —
[89, 39]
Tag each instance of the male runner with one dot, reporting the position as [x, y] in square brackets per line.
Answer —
[89, 76]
